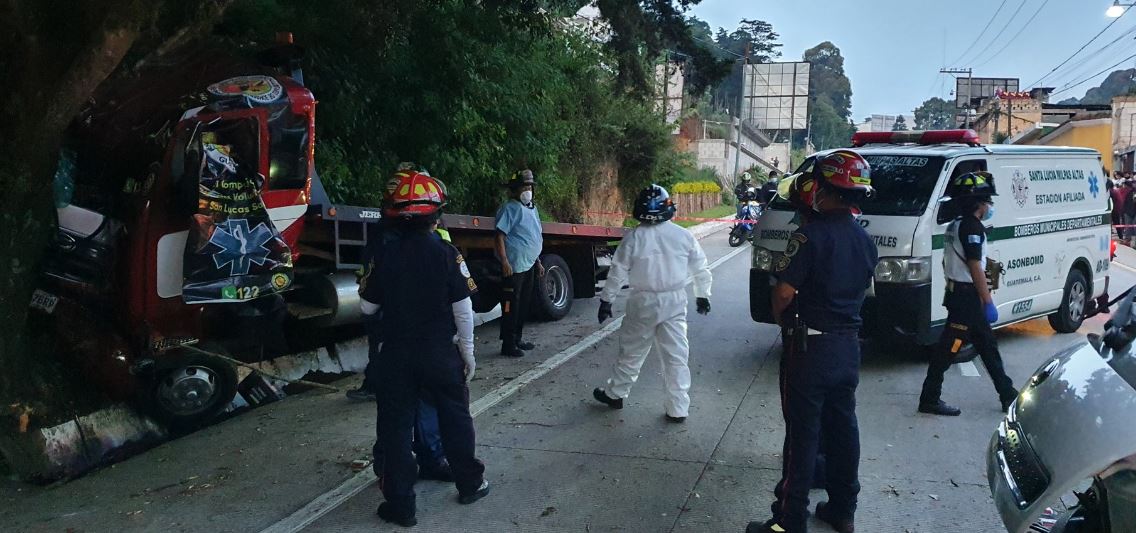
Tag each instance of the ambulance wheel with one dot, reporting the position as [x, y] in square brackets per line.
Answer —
[553, 297]
[1069, 316]
[189, 388]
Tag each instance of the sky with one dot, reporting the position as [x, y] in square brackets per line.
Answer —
[893, 49]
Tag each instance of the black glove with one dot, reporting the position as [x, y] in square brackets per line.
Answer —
[605, 311]
[703, 305]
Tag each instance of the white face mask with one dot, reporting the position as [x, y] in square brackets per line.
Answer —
[526, 197]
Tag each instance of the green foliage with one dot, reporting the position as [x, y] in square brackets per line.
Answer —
[827, 81]
[900, 124]
[472, 91]
[829, 130]
[935, 114]
[761, 41]
[678, 169]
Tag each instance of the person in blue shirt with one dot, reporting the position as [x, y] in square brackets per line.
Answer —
[518, 245]
[827, 268]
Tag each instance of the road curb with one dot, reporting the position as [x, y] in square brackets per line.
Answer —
[705, 229]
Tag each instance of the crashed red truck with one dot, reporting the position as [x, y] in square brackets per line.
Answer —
[121, 293]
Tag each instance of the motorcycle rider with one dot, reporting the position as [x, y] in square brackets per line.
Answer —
[970, 308]
[769, 188]
[657, 258]
[422, 286]
[827, 268]
[742, 192]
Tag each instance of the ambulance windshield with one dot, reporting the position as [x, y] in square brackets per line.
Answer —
[903, 184]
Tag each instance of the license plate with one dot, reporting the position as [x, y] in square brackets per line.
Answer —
[44, 301]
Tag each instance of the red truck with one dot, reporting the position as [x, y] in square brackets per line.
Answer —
[120, 292]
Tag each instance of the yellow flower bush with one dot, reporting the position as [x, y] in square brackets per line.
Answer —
[696, 187]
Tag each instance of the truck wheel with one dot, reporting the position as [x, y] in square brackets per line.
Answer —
[1072, 311]
[553, 297]
[189, 388]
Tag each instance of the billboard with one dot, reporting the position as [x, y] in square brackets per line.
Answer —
[969, 92]
[777, 95]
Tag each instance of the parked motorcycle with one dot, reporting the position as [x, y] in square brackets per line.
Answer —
[743, 228]
[1064, 458]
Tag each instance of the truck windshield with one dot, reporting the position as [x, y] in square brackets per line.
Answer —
[903, 184]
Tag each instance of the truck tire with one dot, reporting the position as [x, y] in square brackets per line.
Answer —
[188, 388]
[552, 299]
[1073, 303]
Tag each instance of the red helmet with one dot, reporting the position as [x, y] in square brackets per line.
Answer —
[416, 195]
[798, 190]
[844, 169]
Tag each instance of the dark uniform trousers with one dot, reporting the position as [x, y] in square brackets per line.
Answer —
[818, 389]
[516, 298]
[965, 320]
[405, 371]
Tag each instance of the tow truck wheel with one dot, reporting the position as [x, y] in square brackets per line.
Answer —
[190, 387]
[554, 291]
[1073, 304]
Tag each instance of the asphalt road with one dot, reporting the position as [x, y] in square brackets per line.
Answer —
[559, 461]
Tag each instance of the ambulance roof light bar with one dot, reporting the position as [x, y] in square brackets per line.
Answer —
[968, 137]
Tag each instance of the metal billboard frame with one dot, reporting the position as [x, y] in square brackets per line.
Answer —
[967, 90]
[777, 95]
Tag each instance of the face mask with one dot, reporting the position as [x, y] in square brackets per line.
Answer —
[989, 214]
[526, 197]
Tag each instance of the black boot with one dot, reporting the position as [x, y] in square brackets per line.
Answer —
[840, 524]
[525, 345]
[388, 513]
[602, 397]
[509, 349]
[466, 499]
[939, 408]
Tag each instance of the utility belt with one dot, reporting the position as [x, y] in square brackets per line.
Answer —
[799, 334]
[953, 286]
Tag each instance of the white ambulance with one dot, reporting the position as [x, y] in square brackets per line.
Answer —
[1051, 230]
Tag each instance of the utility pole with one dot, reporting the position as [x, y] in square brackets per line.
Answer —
[969, 88]
[741, 99]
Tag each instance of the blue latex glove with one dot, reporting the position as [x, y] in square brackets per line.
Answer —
[991, 312]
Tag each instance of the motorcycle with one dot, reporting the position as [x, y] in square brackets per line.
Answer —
[743, 228]
[1070, 436]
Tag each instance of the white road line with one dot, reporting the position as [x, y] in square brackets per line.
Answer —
[1125, 267]
[968, 369]
[328, 501]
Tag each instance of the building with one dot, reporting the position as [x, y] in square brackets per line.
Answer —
[1123, 149]
[1092, 129]
[884, 122]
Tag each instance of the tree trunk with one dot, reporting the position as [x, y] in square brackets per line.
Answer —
[54, 59]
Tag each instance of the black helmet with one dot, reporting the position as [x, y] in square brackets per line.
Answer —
[520, 179]
[654, 205]
[972, 185]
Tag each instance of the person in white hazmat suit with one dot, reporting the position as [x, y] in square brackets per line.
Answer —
[658, 259]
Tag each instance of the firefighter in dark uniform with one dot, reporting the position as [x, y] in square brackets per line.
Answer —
[422, 287]
[970, 308]
[827, 268]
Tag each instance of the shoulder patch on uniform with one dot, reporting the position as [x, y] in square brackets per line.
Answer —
[464, 268]
[781, 264]
[794, 244]
[974, 239]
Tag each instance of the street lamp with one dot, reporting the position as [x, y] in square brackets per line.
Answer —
[1117, 9]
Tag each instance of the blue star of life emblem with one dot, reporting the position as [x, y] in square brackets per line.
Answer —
[1094, 184]
[240, 246]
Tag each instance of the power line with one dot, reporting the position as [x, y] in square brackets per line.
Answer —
[1076, 70]
[1015, 37]
[1004, 28]
[1083, 81]
[1079, 50]
[980, 34]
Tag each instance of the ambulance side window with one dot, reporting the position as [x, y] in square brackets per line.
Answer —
[945, 213]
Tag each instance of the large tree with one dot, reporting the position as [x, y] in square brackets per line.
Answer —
[900, 124]
[56, 53]
[755, 37]
[827, 80]
[934, 114]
